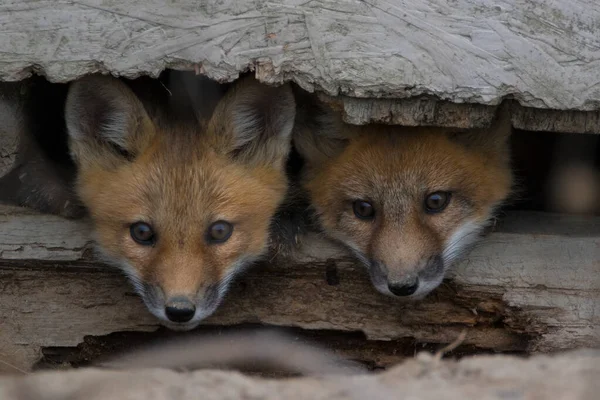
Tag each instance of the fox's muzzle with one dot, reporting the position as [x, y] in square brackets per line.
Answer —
[404, 288]
[180, 309]
[421, 279]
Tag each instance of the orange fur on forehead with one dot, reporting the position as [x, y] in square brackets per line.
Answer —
[406, 159]
[190, 182]
[181, 192]
[140, 159]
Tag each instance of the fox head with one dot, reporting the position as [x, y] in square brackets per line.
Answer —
[406, 201]
[181, 208]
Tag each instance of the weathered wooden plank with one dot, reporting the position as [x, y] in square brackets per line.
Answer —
[428, 111]
[532, 285]
[545, 53]
[567, 376]
[27, 235]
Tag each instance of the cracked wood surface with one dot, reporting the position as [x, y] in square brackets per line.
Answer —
[531, 285]
[545, 54]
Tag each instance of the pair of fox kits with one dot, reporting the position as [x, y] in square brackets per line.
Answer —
[183, 183]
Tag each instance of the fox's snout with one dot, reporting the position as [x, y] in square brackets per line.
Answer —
[408, 280]
[180, 309]
[181, 187]
[404, 288]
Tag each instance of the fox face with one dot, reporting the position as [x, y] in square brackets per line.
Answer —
[408, 202]
[180, 207]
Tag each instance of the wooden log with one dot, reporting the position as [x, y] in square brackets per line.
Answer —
[431, 112]
[543, 55]
[567, 376]
[532, 285]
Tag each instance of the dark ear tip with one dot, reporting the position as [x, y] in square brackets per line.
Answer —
[95, 83]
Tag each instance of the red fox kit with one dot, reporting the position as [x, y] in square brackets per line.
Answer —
[406, 201]
[180, 202]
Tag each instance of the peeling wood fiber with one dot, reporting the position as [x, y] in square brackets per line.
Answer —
[544, 53]
[531, 285]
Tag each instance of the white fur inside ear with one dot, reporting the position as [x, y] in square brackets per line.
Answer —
[261, 119]
[248, 124]
[102, 109]
[270, 115]
[115, 126]
[319, 133]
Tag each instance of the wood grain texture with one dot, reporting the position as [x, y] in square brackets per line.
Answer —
[545, 53]
[427, 111]
[531, 285]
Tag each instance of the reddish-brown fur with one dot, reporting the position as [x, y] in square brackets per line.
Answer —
[180, 178]
[184, 188]
[395, 168]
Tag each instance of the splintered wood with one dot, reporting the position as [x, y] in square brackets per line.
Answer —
[429, 62]
[530, 286]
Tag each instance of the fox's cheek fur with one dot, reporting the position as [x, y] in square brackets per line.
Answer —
[159, 281]
[429, 270]
[179, 176]
[406, 251]
[205, 300]
[406, 246]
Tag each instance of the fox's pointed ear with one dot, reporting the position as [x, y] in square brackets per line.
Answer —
[493, 140]
[105, 120]
[253, 123]
[319, 133]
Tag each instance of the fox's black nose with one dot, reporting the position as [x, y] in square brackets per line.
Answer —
[180, 309]
[403, 288]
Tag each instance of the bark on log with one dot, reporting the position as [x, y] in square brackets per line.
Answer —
[531, 285]
[568, 376]
[427, 111]
[543, 54]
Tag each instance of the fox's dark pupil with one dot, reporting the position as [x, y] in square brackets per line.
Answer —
[142, 233]
[363, 209]
[437, 201]
[220, 231]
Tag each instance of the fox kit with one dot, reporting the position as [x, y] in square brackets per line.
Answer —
[181, 201]
[406, 201]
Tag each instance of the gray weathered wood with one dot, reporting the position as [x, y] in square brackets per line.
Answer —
[545, 54]
[531, 285]
[568, 376]
[428, 111]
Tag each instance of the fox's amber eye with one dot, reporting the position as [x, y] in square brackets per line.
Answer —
[142, 233]
[363, 209]
[219, 232]
[437, 201]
